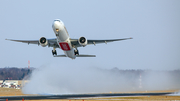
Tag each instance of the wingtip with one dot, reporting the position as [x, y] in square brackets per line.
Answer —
[8, 39]
[130, 38]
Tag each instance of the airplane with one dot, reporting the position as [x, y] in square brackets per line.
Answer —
[64, 42]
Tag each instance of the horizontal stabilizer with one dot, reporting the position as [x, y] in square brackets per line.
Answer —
[60, 56]
[83, 55]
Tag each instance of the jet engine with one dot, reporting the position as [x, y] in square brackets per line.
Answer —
[83, 41]
[43, 42]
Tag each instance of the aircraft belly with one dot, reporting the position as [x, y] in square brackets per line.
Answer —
[62, 35]
[70, 54]
[64, 46]
[67, 48]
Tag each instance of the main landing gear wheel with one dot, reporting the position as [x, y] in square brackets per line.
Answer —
[54, 52]
[76, 52]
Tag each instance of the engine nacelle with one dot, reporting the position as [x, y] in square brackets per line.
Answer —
[83, 41]
[43, 41]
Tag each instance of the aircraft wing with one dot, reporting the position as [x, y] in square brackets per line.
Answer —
[77, 96]
[90, 42]
[51, 42]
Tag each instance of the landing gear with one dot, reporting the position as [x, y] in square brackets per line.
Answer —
[76, 52]
[54, 52]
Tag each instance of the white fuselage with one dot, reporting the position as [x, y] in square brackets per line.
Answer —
[63, 38]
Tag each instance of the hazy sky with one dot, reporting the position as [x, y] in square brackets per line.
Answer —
[153, 24]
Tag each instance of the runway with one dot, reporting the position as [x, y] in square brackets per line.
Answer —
[75, 96]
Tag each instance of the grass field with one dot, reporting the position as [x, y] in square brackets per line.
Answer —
[17, 92]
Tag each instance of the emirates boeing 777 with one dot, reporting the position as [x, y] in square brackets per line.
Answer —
[64, 42]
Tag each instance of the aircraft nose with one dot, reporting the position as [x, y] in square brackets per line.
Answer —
[57, 25]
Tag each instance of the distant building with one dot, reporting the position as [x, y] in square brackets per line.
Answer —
[1, 81]
[11, 84]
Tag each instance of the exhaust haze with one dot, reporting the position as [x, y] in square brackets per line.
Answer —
[75, 80]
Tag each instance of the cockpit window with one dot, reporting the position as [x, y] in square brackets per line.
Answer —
[57, 20]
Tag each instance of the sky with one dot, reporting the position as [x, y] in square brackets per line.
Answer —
[154, 26]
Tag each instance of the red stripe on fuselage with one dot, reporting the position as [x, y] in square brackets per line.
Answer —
[64, 46]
